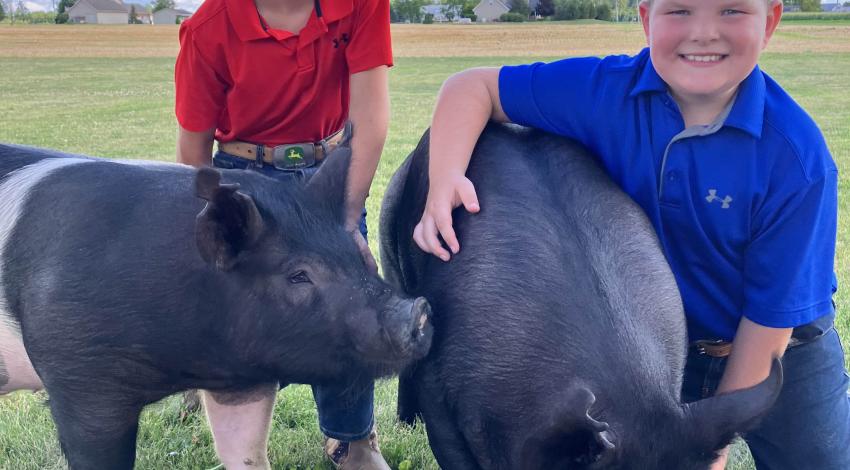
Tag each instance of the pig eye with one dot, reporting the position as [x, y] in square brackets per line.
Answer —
[299, 277]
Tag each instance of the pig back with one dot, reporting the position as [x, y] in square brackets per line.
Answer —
[560, 279]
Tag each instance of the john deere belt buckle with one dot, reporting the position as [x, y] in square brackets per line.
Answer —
[293, 157]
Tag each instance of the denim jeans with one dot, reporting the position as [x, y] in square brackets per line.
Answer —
[346, 410]
[809, 426]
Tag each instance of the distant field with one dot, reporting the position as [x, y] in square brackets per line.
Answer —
[107, 91]
[556, 39]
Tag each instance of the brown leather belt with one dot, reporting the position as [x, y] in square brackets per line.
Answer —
[713, 348]
[724, 348]
[286, 156]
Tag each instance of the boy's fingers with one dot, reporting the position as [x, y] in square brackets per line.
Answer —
[444, 225]
[430, 233]
[417, 237]
[425, 236]
[466, 192]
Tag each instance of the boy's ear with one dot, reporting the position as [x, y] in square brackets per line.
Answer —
[643, 12]
[774, 14]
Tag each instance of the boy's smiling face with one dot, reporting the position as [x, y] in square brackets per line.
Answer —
[703, 49]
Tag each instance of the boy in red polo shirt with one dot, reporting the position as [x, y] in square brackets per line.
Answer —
[269, 79]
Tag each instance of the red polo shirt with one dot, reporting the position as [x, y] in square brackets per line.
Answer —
[274, 87]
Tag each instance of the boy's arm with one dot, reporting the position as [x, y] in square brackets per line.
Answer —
[369, 112]
[466, 102]
[194, 148]
[753, 350]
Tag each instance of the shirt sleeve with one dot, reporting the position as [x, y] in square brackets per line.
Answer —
[370, 45]
[199, 91]
[788, 271]
[558, 97]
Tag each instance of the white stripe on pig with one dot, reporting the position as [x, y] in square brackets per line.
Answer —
[16, 371]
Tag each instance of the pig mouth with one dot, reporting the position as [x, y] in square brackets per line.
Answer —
[419, 340]
[412, 342]
[408, 342]
[420, 337]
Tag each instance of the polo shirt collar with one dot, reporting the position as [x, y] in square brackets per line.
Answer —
[649, 80]
[246, 21]
[747, 111]
[332, 10]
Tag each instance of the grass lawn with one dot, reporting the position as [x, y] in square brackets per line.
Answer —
[108, 91]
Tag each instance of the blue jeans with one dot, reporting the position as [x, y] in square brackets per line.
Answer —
[346, 410]
[809, 426]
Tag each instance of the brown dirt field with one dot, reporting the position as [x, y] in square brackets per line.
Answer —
[553, 40]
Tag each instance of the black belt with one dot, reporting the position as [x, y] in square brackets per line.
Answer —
[720, 348]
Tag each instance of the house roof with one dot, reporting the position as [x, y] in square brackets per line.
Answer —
[108, 5]
[176, 11]
[496, 2]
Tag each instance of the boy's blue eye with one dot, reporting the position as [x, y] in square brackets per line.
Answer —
[678, 12]
[730, 11]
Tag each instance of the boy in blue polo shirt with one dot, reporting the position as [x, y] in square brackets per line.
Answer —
[736, 179]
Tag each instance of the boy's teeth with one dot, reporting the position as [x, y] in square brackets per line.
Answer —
[703, 58]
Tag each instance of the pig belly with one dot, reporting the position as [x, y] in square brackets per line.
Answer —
[16, 371]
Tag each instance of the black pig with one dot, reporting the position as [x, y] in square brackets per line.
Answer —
[559, 336]
[125, 282]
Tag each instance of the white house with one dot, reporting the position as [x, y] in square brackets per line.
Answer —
[170, 16]
[491, 10]
[98, 12]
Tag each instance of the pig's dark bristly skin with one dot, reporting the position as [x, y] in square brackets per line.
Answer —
[559, 333]
[127, 282]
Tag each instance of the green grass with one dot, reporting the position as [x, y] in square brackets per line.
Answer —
[123, 108]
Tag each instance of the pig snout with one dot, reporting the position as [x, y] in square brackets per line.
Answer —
[409, 328]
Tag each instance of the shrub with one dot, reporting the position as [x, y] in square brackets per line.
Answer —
[512, 17]
[428, 19]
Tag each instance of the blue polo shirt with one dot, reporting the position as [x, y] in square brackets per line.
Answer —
[745, 208]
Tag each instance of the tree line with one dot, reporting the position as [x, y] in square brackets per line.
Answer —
[606, 10]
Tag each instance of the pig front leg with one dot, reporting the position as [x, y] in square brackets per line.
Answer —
[96, 430]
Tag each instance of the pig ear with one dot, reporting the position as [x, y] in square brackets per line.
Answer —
[330, 183]
[719, 418]
[228, 224]
[573, 438]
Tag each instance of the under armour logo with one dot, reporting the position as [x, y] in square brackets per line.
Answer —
[344, 38]
[712, 196]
